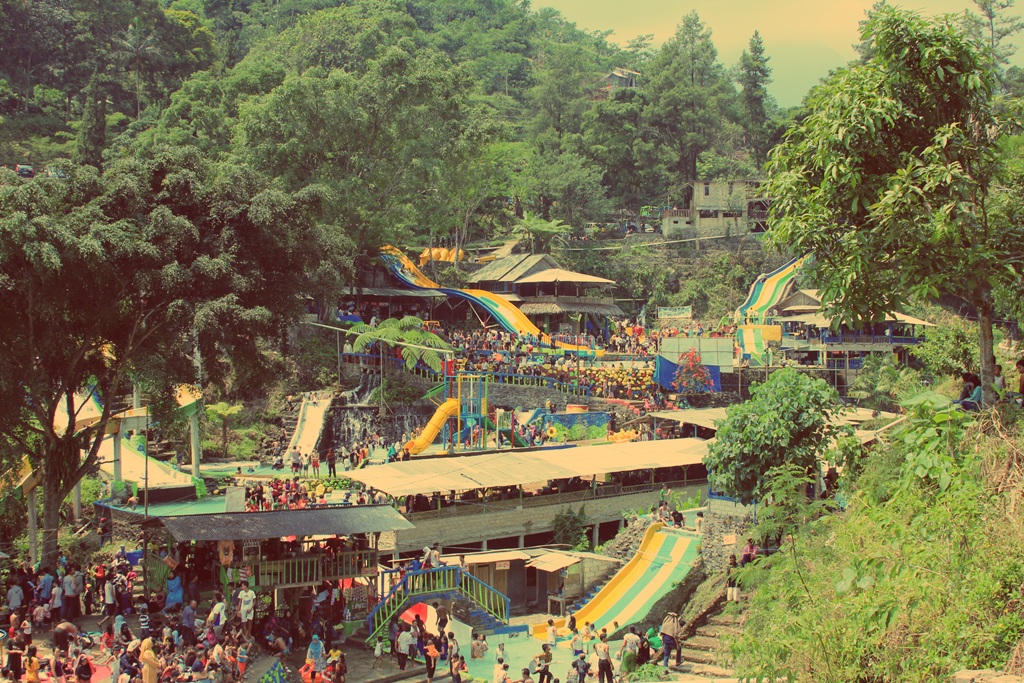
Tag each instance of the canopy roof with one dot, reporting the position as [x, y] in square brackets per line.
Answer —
[707, 417]
[819, 320]
[562, 275]
[510, 468]
[552, 562]
[251, 526]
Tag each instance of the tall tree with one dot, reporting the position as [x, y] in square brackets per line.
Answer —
[996, 25]
[136, 48]
[787, 421]
[890, 180]
[106, 280]
[690, 95]
[92, 131]
[754, 76]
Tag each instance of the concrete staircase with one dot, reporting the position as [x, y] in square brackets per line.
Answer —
[704, 654]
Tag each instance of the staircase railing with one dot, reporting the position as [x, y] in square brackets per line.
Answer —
[439, 580]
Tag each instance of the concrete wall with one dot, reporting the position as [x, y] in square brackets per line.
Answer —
[474, 528]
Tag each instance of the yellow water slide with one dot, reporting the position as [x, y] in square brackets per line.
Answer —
[446, 410]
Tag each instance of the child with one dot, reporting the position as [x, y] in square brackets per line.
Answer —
[39, 617]
[143, 619]
[243, 659]
[378, 653]
[500, 652]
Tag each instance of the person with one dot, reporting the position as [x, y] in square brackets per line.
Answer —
[57, 601]
[629, 649]
[15, 596]
[454, 649]
[527, 678]
[670, 632]
[149, 661]
[242, 658]
[106, 531]
[404, 644]
[306, 458]
[315, 653]
[750, 551]
[732, 592]
[442, 617]
[332, 463]
[552, 633]
[84, 669]
[458, 667]
[971, 393]
[576, 643]
[999, 380]
[246, 607]
[581, 667]
[64, 634]
[544, 664]
[175, 592]
[378, 653]
[314, 461]
[570, 620]
[431, 654]
[604, 661]
[31, 665]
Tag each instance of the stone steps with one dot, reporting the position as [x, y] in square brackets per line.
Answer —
[719, 631]
[697, 656]
[704, 643]
[725, 620]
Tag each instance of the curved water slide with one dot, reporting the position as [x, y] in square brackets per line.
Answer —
[768, 290]
[446, 410]
[500, 308]
[663, 559]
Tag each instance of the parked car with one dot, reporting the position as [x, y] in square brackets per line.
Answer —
[25, 170]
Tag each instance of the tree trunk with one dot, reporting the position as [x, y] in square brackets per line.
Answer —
[987, 359]
[51, 520]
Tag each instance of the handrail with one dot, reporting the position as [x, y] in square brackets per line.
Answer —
[570, 388]
[432, 581]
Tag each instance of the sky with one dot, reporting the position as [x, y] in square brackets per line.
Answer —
[803, 38]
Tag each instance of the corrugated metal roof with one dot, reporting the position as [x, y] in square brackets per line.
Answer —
[488, 558]
[552, 562]
[511, 268]
[490, 470]
[251, 526]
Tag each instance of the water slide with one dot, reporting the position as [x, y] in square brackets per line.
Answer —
[446, 410]
[664, 559]
[499, 308]
[491, 429]
[134, 466]
[768, 290]
[310, 424]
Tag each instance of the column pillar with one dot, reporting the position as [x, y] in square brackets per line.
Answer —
[136, 397]
[197, 449]
[76, 500]
[522, 540]
[595, 535]
[33, 529]
[117, 456]
[483, 544]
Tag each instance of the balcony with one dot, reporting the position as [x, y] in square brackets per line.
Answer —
[310, 569]
[571, 300]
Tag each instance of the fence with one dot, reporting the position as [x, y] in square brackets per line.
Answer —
[511, 379]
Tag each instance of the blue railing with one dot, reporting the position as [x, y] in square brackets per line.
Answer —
[570, 388]
[869, 339]
[430, 582]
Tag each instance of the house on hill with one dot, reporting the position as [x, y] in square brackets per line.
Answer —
[718, 209]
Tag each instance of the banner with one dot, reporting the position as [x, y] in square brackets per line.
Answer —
[675, 312]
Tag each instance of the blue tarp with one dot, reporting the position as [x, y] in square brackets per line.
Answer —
[665, 374]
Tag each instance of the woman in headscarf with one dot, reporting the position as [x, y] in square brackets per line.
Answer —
[671, 629]
[149, 661]
[316, 654]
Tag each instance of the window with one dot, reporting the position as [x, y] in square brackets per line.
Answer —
[707, 189]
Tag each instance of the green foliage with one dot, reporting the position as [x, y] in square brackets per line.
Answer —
[919, 576]
[222, 413]
[646, 672]
[786, 421]
[949, 348]
[883, 381]
[570, 528]
[539, 232]
[416, 343]
[200, 485]
[894, 191]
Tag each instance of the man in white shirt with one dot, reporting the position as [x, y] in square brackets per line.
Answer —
[217, 617]
[15, 597]
[402, 645]
[246, 606]
[627, 653]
